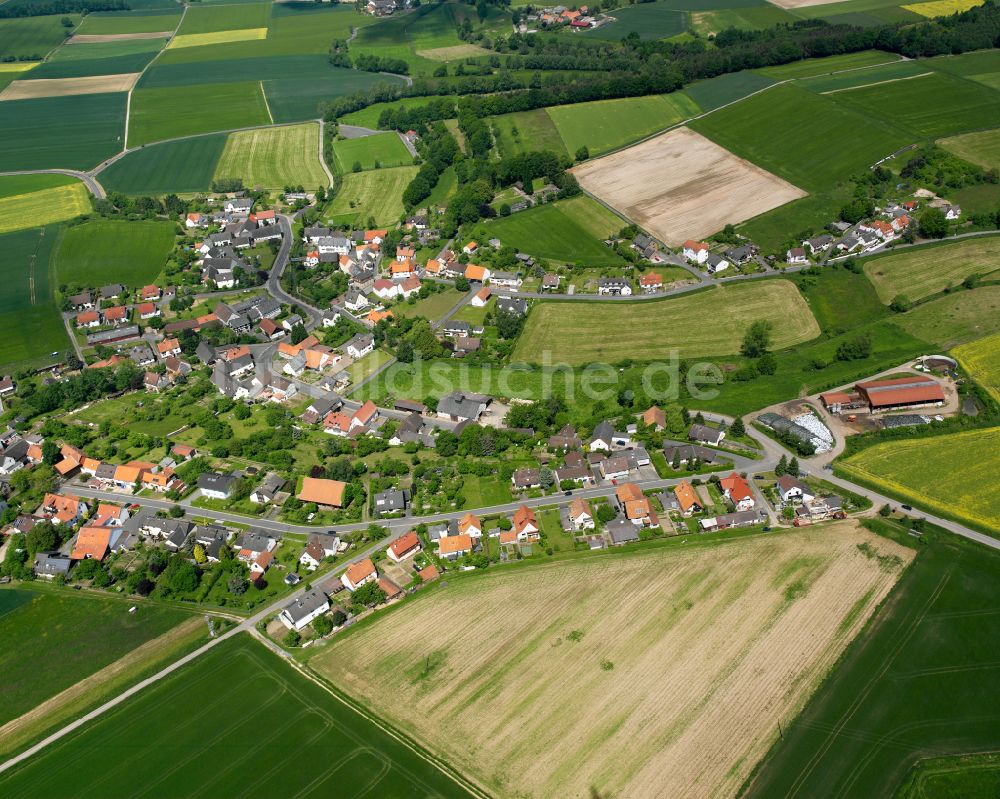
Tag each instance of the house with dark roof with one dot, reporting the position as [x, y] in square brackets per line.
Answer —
[303, 610]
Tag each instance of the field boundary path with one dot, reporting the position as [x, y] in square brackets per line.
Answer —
[322, 156]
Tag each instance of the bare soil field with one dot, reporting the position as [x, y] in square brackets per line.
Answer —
[792, 4]
[64, 87]
[95, 38]
[453, 52]
[681, 186]
[648, 673]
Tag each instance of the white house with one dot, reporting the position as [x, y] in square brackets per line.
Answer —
[695, 251]
[360, 345]
[715, 263]
[791, 489]
[358, 574]
[580, 516]
[316, 550]
[482, 297]
[304, 610]
[403, 547]
[797, 256]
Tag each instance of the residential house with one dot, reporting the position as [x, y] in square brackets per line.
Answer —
[565, 439]
[513, 305]
[792, 490]
[392, 501]
[481, 298]
[656, 418]
[50, 564]
[818, 244]
[215, 485]
[325, 493]
[317, 550]
[616, 468]
[622, 531]
[303, 610]
[460, 406]
[88, 319]
[729, 520]
[360, 345]
[470, 525]
[62, 509]
[507, 280]
[706, 435]
[740, 255]
[635, 505]
[525, 524]
[476, 274]
[651, 282]
[267, 489]
[355, 301]
[796, 256]
[737, 490]
[92, 543]
[715, 263]
[405, 546]
[453, 547]
[523, 479]
[614, 286]
[686, 453]
[358, 574]
[695, 251]
[550, 281]
[687, 499]
[386, 289]
[605, 437]
[580, 515]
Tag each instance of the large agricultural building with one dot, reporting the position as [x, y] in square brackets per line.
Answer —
[918, 391]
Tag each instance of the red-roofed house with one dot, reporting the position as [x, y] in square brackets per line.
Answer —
[116, 316]
[92, 542]
[358, 574]
[696, 251]
[469, 524]
[651, 282]
[403, 547]
[88, 319]
[737, 490]
[147, 310]
[149, 293]
[525, 524]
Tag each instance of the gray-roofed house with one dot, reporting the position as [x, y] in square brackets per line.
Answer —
[303, 610]
[513, 305]
[706, 435]
[50, 564]
[459, 406]
[740, 255]
[215, 485]
[267, 489]
[622, 531]
[392, 501]
[523, 479]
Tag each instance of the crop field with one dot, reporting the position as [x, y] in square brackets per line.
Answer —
[70, 132]
[841, 81]
[708, 23]
[820, 143]
[608, 124]
[953, 475]
[67, 87]
[337, 748]
[681, 185]
[217, 37]
[715, 92]
[581, 333]
[570, 230]
[13, 185]
[982, 147]
[106, 50]
[942, 8]
[43, 207]
[981, 359]
[274, 157]
[168, 113]
[915, 687]
[823, 66]
[372, 152]
[649, 20]
[865, 13]
[82, 634]
[172, 167]
[32, 36]
[923, 271]
[596, 684]
[374, 192]
[937, 105]
[103, 24]
[958, 777]
[295, 100]
[228, 17]
[525, 131]
[30, 325]
[103, 251]
[955, 318]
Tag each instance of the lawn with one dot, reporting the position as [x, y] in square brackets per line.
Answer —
[30, 325]
[932, 106]
[917, 683]
[591, 678]
[431, 308]
[105, 251]
[166, 113]
[273, 158]
[570, 230]
[368, 365]
[659, 20]
[104, 24]
[819, 144]
[525, 131]
[956, 318]
[981, 359]
[981, 148]
[154, 417]
[581, 333]
[919, 272]
[371, 152]
[376, 192]
[69, 132]
[337, 748]
[54, 640]
[953, 474]
[606, 125]
[179, 167]
[43, 207]
[32, 36]
[823, 66]
[716, 92]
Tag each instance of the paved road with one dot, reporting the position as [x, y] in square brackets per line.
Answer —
[89, 180]
[274, 288]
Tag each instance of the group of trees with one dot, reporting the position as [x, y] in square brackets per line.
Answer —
[51, 7]
[340, 57]
[117, 204]
[439, 150]
[78, 389]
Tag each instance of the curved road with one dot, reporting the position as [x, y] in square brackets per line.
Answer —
[89, 181]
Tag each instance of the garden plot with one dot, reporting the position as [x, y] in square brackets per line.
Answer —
[681, 186]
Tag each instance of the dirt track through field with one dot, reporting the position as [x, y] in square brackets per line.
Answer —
[790, 4]
[681, 186]
[64, 87]
[96, 38]
[650, 675]
[90, 684]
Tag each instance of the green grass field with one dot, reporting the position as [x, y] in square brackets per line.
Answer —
[41, 206]
[823, 66]
[431, 308]
[13, 185]
[581, 333]
[107, 251]
[104, 24]
[982, 147]
[570, 230]
[87, 67]
[708, 23]
[981, 359]
[446, 186]
[52, 641]
[951, 474]
[609, 124]
[525, 131]
[166, 113]
[209, 19]
[715, 92]
[180, 166]
[819, 144]
[106, 50]
[372, 152]
[69, 132]
[32, 36]
[274, 157]
[336, 748]
[374, 192]
[917, 683]
[294, 100]
[840, 299]
[955, 318]
[650, 20]
[30, 325]
[932, 106]
[922, 271]
[960, 777]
